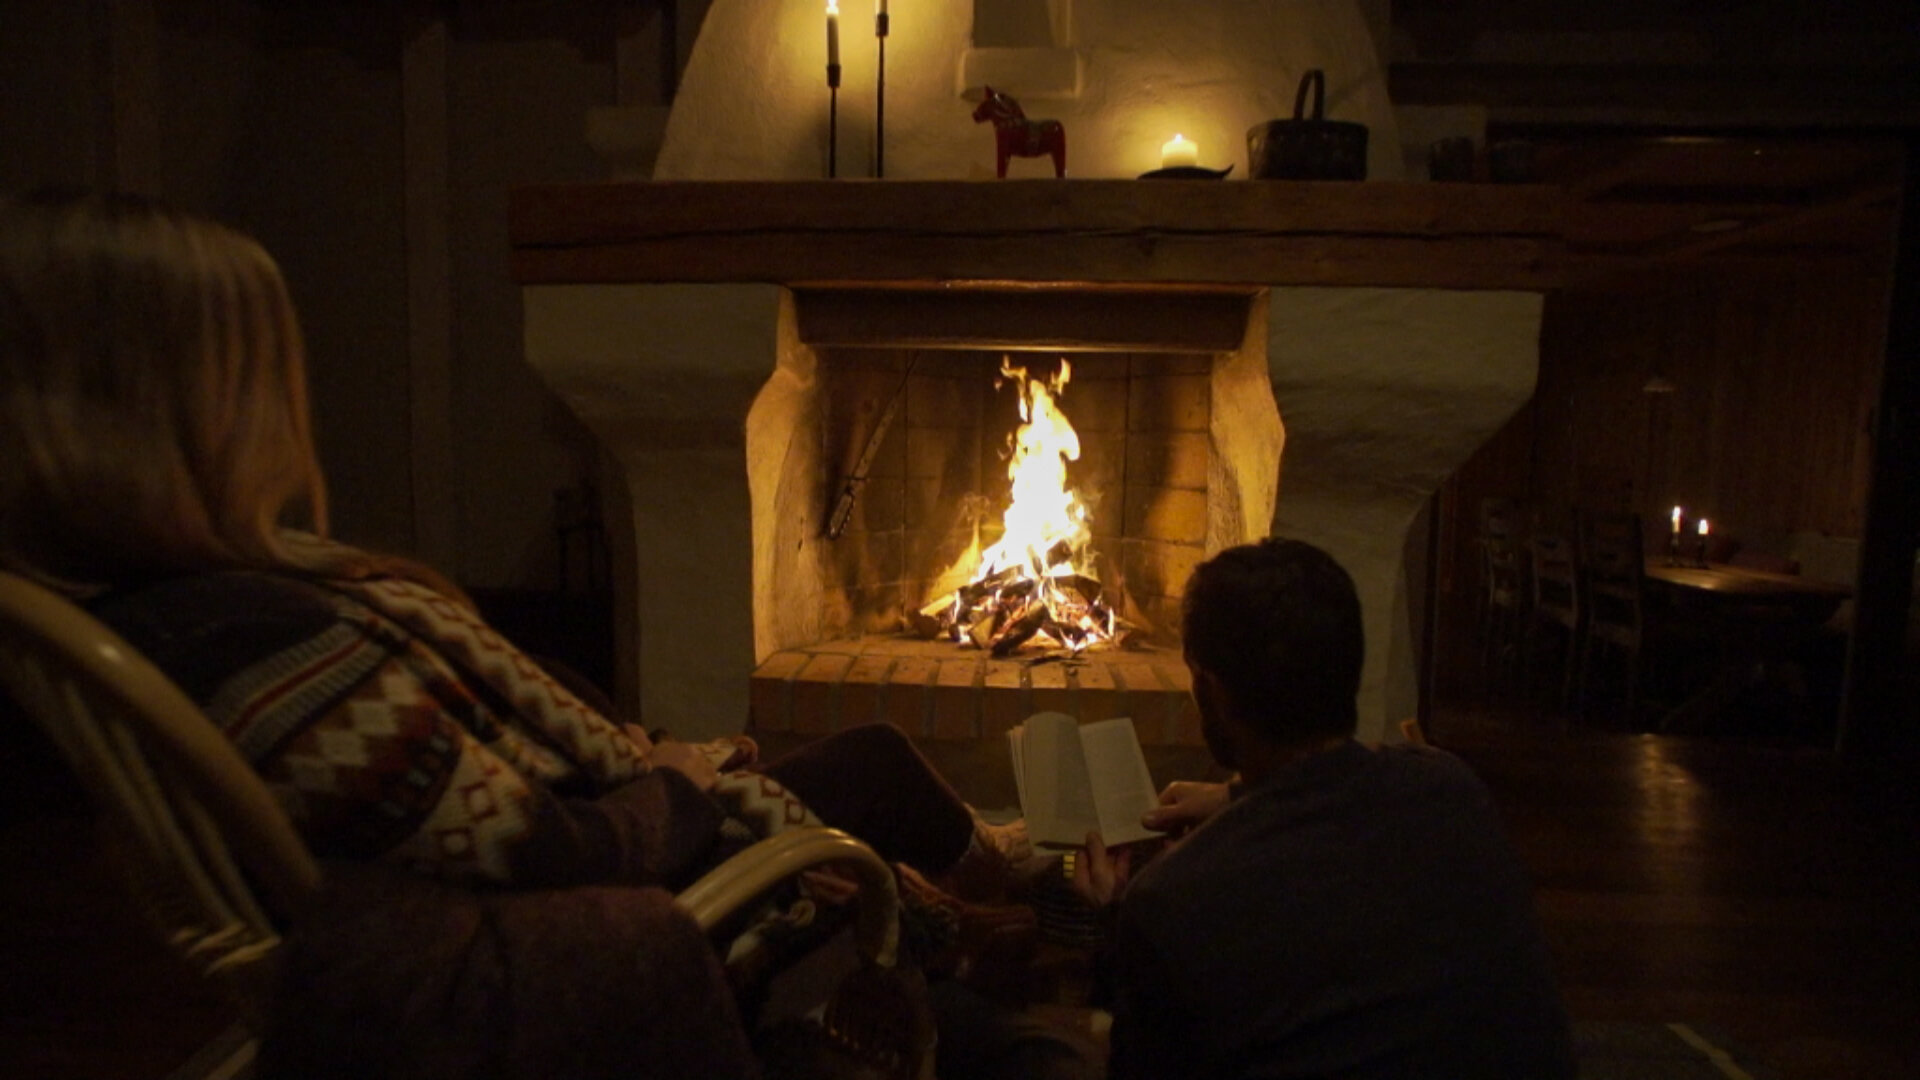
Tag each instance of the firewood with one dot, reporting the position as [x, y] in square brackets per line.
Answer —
[924, 626]
[1060, 552]
[981, 631]
[973, 591]
[1066, 633]
[1016, 631]
[1088, 588]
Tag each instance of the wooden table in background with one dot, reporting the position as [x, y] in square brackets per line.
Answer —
[1725, 585]
[1756, 615]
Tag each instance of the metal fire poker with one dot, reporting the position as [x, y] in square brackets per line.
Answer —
[880, 26]
[850, 491]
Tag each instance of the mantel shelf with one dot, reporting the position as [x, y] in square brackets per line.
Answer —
[934, 232]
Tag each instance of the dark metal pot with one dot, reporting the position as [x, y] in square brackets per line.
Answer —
[1308, 147]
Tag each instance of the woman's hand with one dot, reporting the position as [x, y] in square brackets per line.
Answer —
[745, 751]
[639, 736]
[1184, 804]
[1100, 872]
[686, 759]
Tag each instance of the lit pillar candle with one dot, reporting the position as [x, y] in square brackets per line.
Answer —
[1703, 526]
[833, 33]
[1676, 521]
[1180, 153]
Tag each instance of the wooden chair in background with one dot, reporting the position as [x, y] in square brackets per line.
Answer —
[222, 871]
[1611, 567]
[1503, 592]
[1556, 613]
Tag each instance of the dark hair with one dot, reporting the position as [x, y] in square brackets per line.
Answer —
[1278, 623]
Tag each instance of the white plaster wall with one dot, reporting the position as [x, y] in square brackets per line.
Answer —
[666, 376]
[753, 102]
[1385, 392]
[1246, 441]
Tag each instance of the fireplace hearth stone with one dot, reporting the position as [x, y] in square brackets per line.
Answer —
[942, 691]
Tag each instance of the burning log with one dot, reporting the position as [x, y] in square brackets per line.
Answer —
[982, 630]
[1087, 588]
[1015, 632]
[975, 591]
[1060, 552]
[932, 621]
[1066, 633]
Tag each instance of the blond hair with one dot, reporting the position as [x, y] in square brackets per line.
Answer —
[153, 399]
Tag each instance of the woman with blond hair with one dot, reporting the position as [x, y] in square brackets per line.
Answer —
[157, 462]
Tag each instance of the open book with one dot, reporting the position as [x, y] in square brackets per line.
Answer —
[1079, 778]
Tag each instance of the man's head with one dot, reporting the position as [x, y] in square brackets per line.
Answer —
[1274, 639]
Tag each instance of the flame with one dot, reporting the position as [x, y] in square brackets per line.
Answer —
[1044, 512]
[1036, 582]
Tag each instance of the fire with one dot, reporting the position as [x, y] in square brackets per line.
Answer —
[1034, 585]
[1044, 513]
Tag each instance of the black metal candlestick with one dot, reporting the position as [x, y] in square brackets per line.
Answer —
[880, 27]
[833, 121]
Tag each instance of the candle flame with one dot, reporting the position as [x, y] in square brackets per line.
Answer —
[833, 7]
[1703, 526]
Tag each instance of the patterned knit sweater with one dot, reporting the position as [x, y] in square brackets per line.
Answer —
[395, 725]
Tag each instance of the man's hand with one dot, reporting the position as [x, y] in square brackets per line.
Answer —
[1184, 804]
[687, 760]
[1100, 872]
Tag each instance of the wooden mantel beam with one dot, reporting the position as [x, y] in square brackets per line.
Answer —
[1464, 236]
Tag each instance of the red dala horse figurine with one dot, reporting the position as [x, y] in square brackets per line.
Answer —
[1016, 136]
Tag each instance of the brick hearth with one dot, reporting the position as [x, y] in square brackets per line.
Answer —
[939, 690]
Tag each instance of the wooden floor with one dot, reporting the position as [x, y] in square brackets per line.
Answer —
[1767, 892]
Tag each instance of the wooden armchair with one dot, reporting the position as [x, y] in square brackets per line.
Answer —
[216, 860]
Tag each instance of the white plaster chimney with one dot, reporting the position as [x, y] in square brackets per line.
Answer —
[1382, 391]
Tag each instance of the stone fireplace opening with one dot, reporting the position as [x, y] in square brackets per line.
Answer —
[935, 491]
[897, 417]
[698, 327]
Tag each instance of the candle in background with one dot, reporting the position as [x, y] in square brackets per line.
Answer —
[833, 33]
[1676, 520]
[1700, 554]
[1703, 526]
[1181, 153]
[883, 7]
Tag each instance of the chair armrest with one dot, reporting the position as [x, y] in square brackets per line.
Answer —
[736, 882]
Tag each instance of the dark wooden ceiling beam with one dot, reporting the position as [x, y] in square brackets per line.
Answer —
[1869, 95]
[1798, 222]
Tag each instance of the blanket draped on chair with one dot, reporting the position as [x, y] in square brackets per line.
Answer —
[392, 975]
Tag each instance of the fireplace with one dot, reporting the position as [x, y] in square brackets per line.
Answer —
[732, 344]
[910, 485]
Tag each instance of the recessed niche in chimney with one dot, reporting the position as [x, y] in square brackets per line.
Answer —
[898, 397]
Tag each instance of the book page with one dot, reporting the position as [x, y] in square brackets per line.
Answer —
[1056, 796]
[1016, 749]
[1122, 788]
